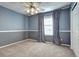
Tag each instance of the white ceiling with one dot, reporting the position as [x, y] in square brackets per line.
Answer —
[47, 6]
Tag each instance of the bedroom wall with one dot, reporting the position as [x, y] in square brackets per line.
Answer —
[9, 21]
[26, 26]
[64, 26]
[75, 29]
[33, 27]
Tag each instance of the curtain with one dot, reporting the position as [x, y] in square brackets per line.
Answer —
[56, 17]
[41, 28]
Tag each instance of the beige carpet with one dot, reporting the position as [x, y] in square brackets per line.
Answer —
[31, 48]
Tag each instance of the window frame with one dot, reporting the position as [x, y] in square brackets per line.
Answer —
[48, 25]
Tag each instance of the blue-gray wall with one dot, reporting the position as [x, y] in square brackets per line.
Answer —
[64, 26]
[33, 25]
[10, 37]
[65, 19]
[26, 26]
[10, 20]
[33, 22]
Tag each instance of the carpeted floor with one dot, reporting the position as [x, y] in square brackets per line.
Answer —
[31, 48]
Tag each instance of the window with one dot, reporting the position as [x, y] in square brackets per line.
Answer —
[48, 25]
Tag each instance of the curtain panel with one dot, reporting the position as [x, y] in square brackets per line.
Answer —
[41, 36]
[56, 18]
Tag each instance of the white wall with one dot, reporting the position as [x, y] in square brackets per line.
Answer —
[75, 30]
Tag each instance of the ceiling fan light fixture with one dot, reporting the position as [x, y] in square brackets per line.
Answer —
[32, 13]
[38, 9]
[32, 8]
[27, 10]
[36, 12]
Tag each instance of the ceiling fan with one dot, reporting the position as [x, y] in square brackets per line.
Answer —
[33, 8]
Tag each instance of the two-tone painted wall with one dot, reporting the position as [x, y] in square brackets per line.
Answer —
[13, 26]
[10, 25]
[64, 26]
[33, 27]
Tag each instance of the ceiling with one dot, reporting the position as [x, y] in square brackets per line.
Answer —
[47, 6]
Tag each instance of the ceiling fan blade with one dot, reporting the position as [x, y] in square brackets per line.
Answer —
[26, 6]
[37, 4]
[28, 3]
[42, 9]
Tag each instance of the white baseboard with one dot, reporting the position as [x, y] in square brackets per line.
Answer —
[12, 43]
[65, 45]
